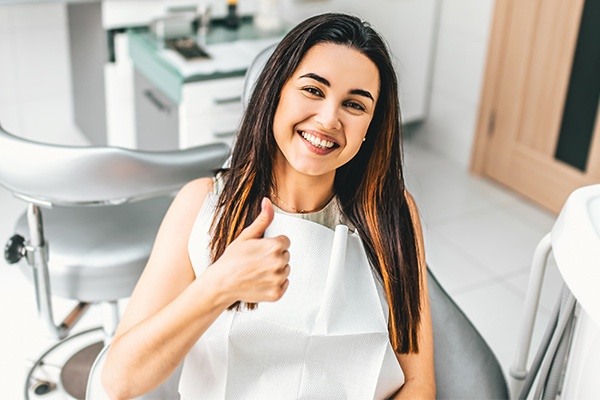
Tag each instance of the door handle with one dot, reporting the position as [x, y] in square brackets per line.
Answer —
[224, 134]
[227, 100]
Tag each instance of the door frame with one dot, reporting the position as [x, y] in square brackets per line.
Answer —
[550, 192]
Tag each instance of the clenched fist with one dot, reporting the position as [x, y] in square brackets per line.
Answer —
[253, 268]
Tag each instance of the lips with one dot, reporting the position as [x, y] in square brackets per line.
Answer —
[318, 142]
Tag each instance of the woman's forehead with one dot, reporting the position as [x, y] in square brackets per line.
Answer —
[341, 65]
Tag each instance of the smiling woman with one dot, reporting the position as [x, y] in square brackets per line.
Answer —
[311, 220]
[323, 114]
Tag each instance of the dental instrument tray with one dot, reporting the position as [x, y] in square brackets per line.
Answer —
[187, 47]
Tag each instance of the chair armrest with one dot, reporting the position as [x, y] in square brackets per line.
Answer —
[65, 175]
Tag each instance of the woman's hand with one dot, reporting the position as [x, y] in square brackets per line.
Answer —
[253, 268]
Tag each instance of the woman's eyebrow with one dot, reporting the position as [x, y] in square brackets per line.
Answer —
[362, 92]
[319, 78]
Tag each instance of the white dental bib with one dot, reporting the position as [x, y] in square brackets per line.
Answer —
[326, 338]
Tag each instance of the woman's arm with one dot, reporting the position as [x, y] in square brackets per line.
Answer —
[153, 318]
[418, 367]
[170, 308]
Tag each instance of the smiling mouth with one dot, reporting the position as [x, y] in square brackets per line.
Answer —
[317, 142]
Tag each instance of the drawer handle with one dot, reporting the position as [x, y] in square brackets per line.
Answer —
[227, 100]
[156, 101]
[224, 134]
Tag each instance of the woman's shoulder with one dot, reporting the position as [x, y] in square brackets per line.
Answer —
[197, 189]
[200, 186]
[191, 197]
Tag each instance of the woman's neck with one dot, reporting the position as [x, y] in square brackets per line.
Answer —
[299, 193]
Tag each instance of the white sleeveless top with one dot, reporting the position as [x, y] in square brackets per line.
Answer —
[326, 338]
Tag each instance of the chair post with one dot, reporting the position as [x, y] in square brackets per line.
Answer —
[111, 320]
[37, 257]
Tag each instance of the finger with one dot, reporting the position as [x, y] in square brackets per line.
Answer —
[284, 286]
[257, 228]
[284, 241]
[286, 270]
[286, 256]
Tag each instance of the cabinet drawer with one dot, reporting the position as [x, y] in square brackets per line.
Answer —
[210, 128]
[212, 96]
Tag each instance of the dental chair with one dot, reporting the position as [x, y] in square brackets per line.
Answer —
[465, 366]
[91, 219]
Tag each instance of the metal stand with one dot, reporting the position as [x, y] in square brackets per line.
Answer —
[518, 371]
[73, 381]
[74, 373]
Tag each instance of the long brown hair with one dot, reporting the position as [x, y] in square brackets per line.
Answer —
[370, 187]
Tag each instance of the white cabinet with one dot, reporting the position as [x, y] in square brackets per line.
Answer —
[210, 111]
[194, 103]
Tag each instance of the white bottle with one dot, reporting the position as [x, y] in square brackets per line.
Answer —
[267, 17]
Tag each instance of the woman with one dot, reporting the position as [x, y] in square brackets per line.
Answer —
[343, 307]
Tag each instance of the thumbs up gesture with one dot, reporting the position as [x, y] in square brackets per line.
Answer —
[257, 228]
[253, 268]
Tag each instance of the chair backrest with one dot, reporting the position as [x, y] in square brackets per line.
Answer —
[465, 366]
[254, 71]
[66, 175]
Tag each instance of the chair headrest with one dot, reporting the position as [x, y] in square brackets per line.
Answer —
[254, 71]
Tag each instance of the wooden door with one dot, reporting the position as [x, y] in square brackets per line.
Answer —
[538, 130]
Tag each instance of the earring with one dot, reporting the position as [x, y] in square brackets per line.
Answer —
[364, 139]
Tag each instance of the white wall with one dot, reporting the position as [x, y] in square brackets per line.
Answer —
[458, 77]
[35, 88]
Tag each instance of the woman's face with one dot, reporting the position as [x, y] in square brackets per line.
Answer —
[324, 110]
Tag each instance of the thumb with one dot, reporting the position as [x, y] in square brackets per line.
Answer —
[257, 228]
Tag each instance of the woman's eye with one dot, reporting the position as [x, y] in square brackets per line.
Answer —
[313, 90]
[356, 106]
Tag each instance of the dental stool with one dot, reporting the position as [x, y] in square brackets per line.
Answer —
[102, 207]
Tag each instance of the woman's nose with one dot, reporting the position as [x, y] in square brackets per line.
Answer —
[328, 115]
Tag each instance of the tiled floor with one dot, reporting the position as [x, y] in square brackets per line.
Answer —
[480, 240]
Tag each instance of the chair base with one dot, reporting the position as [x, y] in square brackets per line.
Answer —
[71, 383]
[75, 372]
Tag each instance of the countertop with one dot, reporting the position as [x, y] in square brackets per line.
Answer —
[231, 52]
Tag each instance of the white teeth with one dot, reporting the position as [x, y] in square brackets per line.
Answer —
[315, 141]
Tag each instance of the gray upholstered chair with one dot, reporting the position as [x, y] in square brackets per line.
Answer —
[465, 366]
[101, 210]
